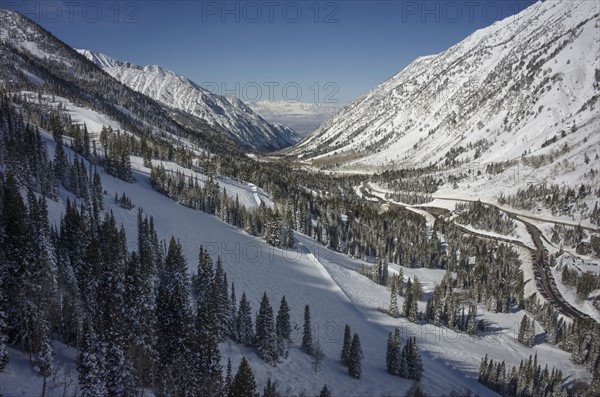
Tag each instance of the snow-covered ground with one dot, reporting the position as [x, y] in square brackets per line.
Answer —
[337, 294]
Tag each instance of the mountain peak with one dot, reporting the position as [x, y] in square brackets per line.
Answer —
[504, 89]
[180, 94]
[101, 60]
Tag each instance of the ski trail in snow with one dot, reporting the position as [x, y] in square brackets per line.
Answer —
[327, 276]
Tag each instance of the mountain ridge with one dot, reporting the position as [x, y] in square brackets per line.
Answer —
[175, 91]
[530, 76]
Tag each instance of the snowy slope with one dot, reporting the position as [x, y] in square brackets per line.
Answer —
[302, 117]
[234, 117]
[336, 293]
[503, 91]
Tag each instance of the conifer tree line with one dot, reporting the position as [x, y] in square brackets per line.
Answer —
[128, 313]
[485, 217]
[111, 146]
[526, 380]
[560, 200]
[207, 196]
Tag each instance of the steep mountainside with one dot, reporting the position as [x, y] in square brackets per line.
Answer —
[526, 85]
[31, 58]
[178, 93]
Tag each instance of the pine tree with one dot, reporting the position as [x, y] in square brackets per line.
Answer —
[394, 300]
[408, 298]
[220, 301]
[119, 378]
[270, 389]
[174, 321]
[284, 328]
[232, 312]
[376, 270]
[207, 372]
[90, 365]
[388, 353]
[472, 320]
[414, 367]
[244, 326]
[356, 356]
[243, 384]
[325, 392]
[266, 340]
[202, 281]
[345, 357]
[44, 361]
[527, 331]
[400, 281]
[228, 379]
[393, 356]
[307, 340]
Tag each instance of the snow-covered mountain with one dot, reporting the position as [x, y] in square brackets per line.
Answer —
[177, 92]
[507, 90]
[33, 59]
[302, 117]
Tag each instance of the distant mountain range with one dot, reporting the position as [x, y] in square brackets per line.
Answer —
[32, 59]
[142, 99]
[180, 94]
[302, 117]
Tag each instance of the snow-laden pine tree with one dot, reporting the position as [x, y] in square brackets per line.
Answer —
[394, 312]
[472, 320]
[173, 318]
[388, 353]
[325, 392]
[202, 281]
[270, 389]
[243, 384]
[243, 323]
[393, 356]
[266, 338]
[307, 338]
[345, 356]
[400, 281]
[414, 364]
[228, 381]
[527, 331]
[283, 325]
[44, 361]
[140, 318]
[90, 365]
[408, 298]
[206, 358]
[232, 312]
[283, 328]
[356, 356]
[219, 301]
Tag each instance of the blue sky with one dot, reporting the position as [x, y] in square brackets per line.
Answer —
[314, 51]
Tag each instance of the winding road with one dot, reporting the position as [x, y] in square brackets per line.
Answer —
[543, 277]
